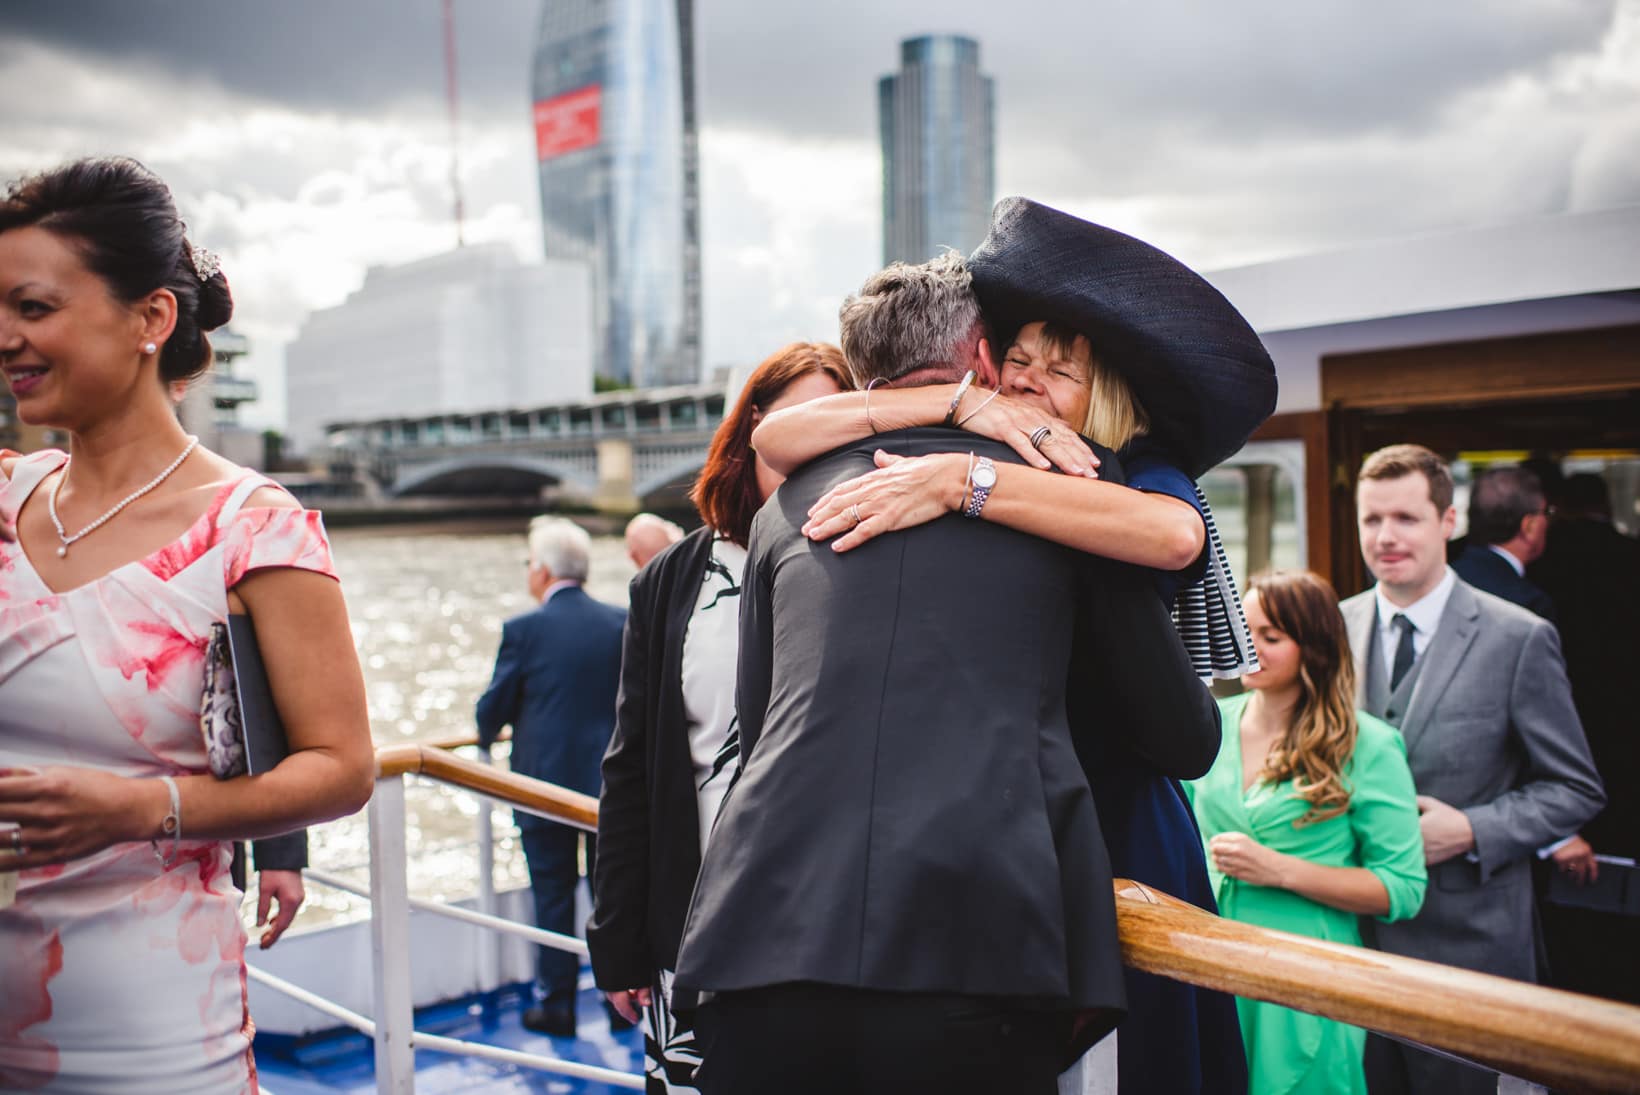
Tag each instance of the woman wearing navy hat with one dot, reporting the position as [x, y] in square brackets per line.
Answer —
[1112, 338]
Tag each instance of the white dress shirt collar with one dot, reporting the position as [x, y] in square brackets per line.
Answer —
[1425, 614]
[1518, 566]
[562, 583]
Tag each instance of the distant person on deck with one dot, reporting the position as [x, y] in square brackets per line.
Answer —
[1508, 530]
[647, 536]
[1593, 573]
[1478, 690]
[554, 683]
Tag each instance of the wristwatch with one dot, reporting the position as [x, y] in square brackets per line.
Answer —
[980, 481]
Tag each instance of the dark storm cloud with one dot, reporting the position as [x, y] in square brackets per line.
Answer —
[1254, 67]
[343, 56]
[1080, 72]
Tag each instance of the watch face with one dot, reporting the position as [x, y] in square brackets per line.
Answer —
[985, 476]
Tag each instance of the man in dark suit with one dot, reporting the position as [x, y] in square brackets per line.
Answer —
[1508, 528]
[906, 889]
[555, 681]
[1593, 573]
[1478, 689]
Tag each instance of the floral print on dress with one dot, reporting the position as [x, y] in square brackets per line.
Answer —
[132, 973]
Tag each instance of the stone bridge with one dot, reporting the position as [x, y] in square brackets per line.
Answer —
[620, 452]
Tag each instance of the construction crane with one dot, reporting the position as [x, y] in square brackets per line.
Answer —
[451, 92]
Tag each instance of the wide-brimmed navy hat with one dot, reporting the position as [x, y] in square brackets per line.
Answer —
[1198, 368]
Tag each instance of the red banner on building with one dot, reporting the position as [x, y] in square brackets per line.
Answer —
[567, 122]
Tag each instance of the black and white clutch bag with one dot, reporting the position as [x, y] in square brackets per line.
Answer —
[237, 718]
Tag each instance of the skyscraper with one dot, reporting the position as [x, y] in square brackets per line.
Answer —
[939, 168]
[614, 94]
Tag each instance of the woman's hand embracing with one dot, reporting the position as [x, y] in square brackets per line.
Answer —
[904, 491]
[1014, 423]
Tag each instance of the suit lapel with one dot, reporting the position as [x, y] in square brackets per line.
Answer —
[1360, 620]
[1447, 647]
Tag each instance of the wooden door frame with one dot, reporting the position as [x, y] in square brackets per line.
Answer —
[1464, 376]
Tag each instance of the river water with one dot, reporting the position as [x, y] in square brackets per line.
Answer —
[427, 609]
[426, 605]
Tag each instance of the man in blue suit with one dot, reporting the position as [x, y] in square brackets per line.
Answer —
[1508, 530]
[555, 681]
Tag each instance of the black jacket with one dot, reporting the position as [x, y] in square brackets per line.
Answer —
[910, 814]
[648, 821]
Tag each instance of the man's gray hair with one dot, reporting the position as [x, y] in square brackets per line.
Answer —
[562, 546]
[911, 317]
[1499, 500]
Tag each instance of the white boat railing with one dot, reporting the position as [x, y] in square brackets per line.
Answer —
[393, 1029]
[1527, 1034]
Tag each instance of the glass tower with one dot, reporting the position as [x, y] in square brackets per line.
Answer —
[614, 90]
[939, 171]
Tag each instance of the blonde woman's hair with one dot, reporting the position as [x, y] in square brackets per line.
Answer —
[1320, 740]
[1115, 415]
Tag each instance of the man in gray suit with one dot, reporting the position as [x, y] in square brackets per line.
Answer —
[1479, 691]
[906, 889]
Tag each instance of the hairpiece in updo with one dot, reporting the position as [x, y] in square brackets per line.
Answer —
[207, 263]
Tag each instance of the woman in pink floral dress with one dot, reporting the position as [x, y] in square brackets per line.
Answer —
[122, 958]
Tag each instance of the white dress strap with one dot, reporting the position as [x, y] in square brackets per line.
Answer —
[241, 491]
[26, 474]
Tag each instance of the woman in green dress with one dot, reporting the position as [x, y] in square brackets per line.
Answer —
[1309, 820]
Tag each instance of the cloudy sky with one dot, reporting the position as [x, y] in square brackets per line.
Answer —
[307, 139]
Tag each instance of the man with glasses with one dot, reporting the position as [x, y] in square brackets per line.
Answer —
[1508, 530]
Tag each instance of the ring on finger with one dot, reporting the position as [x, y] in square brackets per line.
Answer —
[854, 512]
[1039, 436]
[17, 840]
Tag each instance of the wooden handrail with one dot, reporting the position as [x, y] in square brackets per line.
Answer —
[533, 795]
[1561, 1039]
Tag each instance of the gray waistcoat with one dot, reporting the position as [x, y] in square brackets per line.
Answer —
[1387, 705]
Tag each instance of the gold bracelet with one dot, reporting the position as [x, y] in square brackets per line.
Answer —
[962, 390]
[967, 485]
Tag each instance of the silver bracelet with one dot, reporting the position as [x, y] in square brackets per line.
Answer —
[869, 423]
[965, 419]
[962, 390]
[170, 825]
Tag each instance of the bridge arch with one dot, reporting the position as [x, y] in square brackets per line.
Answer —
[491, 474]
[674, 476]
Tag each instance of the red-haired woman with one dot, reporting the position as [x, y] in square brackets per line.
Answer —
[1309, 819]
[675, 745]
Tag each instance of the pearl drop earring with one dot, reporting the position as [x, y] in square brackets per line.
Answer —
[149, 348]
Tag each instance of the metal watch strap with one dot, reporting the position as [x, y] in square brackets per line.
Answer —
[976, 499]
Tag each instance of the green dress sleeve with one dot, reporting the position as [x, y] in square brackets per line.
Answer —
[1384, 816]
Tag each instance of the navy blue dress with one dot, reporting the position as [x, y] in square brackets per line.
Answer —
[1176, 1037]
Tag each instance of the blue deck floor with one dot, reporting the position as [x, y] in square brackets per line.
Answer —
[324, 1064]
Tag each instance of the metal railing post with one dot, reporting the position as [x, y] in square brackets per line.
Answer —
[489, 953]
[390, 940]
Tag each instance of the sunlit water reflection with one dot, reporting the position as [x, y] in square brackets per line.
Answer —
[427, 609]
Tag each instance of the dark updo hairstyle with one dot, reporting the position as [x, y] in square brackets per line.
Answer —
[120, 218]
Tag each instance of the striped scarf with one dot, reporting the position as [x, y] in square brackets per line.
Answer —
[1209, 616]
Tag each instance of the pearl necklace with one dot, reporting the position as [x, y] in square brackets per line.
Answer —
[51, 499]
